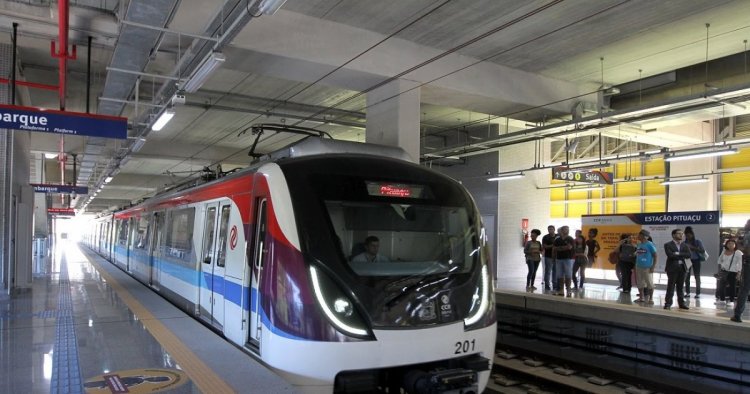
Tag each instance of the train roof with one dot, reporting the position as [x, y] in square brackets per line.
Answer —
[306, 147]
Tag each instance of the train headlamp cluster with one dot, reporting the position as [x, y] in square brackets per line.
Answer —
[481, 299]
[337, 307]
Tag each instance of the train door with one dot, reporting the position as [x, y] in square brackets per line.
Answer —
[212, 265]
[156, 248]
[260, 253]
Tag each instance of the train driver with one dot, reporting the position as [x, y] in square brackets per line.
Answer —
[371, 255]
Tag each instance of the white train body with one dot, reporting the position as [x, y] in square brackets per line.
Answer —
[266, 256]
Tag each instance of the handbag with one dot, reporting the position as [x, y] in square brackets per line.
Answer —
[614, 257]
[722, 274]
[704, 255]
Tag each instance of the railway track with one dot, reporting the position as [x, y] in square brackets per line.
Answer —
[514, 373]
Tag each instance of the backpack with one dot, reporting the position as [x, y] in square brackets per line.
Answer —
[627, 252]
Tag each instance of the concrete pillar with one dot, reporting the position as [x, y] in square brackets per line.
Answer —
[393, 116]
[519, 199]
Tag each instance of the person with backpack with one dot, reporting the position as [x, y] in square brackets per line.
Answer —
[626, 260]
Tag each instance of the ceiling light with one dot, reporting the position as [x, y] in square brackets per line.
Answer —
[108, 179]
[506, 177]
[164, 118]
[698, 155]
[50, 155]
[204, 71]
[684, 181]
[269, 7]
[138, 144]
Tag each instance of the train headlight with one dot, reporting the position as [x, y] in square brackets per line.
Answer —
[337, 307]
[343, 307]
[481, 299]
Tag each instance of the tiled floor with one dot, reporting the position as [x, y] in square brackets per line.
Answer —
[73, 333]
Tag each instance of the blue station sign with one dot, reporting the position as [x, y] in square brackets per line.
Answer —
[62, 122]
[64, 189]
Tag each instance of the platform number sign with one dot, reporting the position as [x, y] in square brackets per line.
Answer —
[233, 237]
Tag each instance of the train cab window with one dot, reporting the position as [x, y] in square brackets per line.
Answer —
[417, 239]
[223, 224]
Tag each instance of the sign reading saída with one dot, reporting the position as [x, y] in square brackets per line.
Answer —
[563, 173]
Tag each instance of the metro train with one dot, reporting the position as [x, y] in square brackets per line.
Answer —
[265, 257]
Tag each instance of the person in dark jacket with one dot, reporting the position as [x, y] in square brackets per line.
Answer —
[696, 251]
[677, 252]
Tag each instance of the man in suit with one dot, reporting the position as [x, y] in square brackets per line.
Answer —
[677, 251]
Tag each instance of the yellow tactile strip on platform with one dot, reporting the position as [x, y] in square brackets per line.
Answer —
[203, 376]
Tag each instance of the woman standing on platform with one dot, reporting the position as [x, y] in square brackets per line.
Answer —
[533, 252]
[696, 253]
[730, 263]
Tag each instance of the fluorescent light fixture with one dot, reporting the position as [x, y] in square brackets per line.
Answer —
[506, 177]
[50, 155]
[204, 71]
[585, 189]
[138, 144]
[269, 7]
[684, 181]
[108, 179]
[699, 155]
[737, 141]
[164, 118]
[124, 160]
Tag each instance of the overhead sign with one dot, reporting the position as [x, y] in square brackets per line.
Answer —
[64, 189]
[61, 211]
[62, 122]
[563, 173]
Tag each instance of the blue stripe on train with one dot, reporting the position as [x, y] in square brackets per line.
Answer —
[232, 291]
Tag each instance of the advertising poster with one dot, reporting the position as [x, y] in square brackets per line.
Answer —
[705, 225]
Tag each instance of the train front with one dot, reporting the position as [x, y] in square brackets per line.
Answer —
[399, 276]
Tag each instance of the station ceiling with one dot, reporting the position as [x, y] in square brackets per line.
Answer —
[494, 65]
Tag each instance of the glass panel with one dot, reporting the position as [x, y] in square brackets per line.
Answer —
[179, 242]
[382, 239]
[142, 234]
[223, 223]
[208, 235]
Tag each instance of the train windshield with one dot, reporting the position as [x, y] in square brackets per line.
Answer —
[405, 238]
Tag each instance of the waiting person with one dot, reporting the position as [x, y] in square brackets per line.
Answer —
[580, 259]
[548, 242]
[645, 263]
[371, 255]
[696, 251]
[677, 252]
[533, 252]
[626, 261]
[563, 248]
[739, 307]
[730, 263]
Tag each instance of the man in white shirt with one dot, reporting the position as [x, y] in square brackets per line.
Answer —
[371, 255]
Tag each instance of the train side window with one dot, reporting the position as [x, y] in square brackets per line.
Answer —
[179, 242]
[142, 233]
[223, 224]
[208, 235]
[260, 235]
[122, 235]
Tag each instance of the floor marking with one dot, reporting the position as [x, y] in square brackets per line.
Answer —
[66, 369]
[202, 375]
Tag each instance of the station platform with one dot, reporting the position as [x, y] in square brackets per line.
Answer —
[86, 327]
[604, 330]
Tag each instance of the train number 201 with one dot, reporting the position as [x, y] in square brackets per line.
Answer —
[465, 346]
